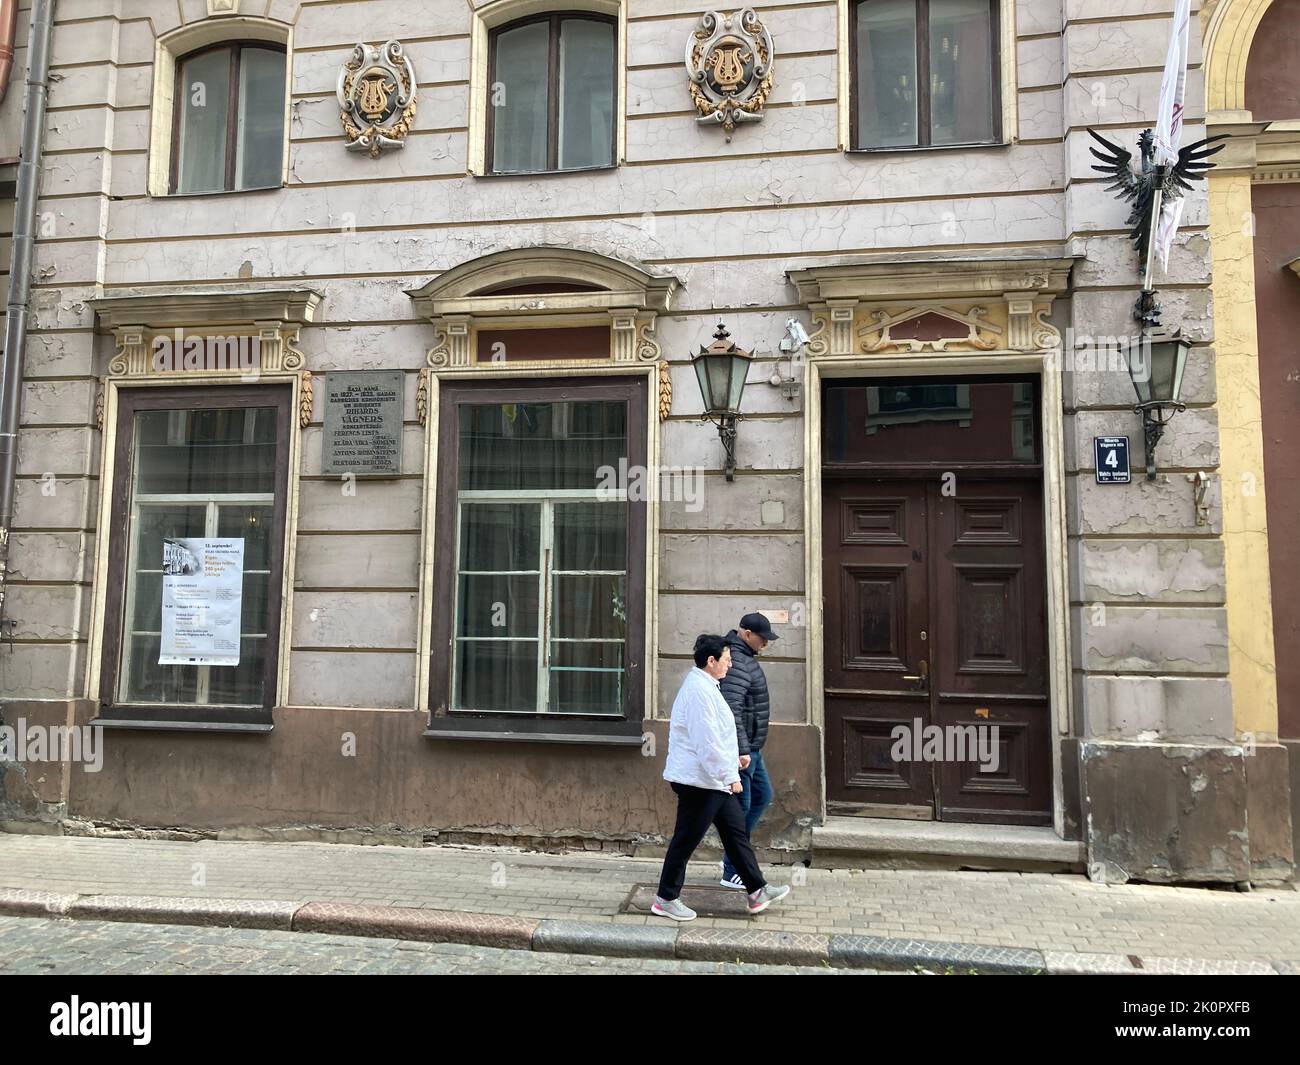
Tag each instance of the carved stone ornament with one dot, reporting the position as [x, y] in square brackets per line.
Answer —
[376, 94]
[422, 396]
[268, 348]
[930, 329]
[729, 62]
[665, 390]
[305, 401]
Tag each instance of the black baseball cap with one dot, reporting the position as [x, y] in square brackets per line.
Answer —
[759, 624]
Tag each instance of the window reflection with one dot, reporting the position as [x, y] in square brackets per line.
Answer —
[909, 421]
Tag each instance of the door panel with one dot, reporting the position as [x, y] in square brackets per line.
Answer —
[990, 648]
[876, 586]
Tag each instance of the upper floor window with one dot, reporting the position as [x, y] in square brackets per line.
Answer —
[926, 73]
[229, 119]
[551, 94]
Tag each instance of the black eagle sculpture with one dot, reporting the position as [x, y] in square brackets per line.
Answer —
[1140, 186]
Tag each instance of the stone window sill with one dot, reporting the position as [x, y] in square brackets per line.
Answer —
[519, 729]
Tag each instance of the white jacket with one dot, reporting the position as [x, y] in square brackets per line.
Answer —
[702, 747]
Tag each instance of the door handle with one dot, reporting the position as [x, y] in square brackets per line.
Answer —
[921, 678]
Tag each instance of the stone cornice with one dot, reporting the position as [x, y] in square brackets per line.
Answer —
[1270, 151]
[609, 291]
[207, 307]
[932, 277]
[964, 303]
[619, 284]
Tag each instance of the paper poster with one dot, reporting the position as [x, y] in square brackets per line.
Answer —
[202, 600]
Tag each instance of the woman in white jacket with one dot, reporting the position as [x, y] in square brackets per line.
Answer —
[704, 770]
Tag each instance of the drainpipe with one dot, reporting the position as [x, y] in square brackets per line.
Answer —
[8, 31]
[20, 273]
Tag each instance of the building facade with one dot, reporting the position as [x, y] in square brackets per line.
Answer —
[364, 489]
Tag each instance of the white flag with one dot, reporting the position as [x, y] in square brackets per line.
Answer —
[1169, 116]
[1169, 123]
[1170, 215]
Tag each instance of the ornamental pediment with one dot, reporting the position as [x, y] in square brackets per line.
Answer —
[882, 306]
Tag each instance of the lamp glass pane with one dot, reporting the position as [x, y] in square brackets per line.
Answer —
[739, 373]
[702, 375]
[1164, 357]
[715, 380]
[1180, 364]
[1139, 368]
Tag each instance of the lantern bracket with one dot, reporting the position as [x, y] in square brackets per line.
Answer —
[1155, 416]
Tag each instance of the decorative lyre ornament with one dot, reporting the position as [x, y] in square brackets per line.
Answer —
[729, 62]
[376, 94]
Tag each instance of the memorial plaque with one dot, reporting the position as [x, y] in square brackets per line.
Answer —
[363, 423]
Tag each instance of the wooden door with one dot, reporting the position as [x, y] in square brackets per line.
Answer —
[935, 620]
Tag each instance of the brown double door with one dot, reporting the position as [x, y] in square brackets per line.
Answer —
[935, 622]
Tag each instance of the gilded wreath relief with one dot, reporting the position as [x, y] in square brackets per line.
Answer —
[729, 62]
[376, 94]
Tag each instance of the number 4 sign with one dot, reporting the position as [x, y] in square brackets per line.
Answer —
[1111, 454]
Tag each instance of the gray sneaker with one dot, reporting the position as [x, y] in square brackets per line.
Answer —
[675, 910]
[761, 899]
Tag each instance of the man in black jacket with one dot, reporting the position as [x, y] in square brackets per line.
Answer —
[745, 689]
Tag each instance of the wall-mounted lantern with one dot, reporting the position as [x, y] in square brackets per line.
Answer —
[721, 369]
[1156, 366]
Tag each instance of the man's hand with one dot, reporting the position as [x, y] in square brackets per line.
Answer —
[736, 788]
[744, 761]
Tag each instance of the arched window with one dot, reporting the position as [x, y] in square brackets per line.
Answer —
[229, 118]
[926, 73]
[552, 96]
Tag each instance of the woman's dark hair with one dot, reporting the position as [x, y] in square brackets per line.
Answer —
[706, 647]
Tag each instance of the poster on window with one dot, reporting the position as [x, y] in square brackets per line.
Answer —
[202, 599]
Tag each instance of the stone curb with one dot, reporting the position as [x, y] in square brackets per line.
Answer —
[153, 909]
[759, 946]
[19, 902]
[611, 940]
[876, 952]
[762, 946]
[426, 926]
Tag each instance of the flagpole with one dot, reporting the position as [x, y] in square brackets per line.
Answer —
[1157, 197]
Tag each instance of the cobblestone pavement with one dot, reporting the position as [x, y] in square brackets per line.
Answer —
[1031, 910]
[37, 946]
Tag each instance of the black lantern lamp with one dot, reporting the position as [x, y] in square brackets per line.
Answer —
[722, 369]
[1157, 372]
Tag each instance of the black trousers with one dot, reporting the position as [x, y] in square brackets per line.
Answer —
[697, 808]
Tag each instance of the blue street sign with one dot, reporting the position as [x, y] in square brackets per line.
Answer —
[1111, 453]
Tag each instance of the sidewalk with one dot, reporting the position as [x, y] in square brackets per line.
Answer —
[862, 918]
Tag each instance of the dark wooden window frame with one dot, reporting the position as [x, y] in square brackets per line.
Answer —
[552, 95]
[188, 716]
[923, 83]
[236, 48]
[625, 730]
